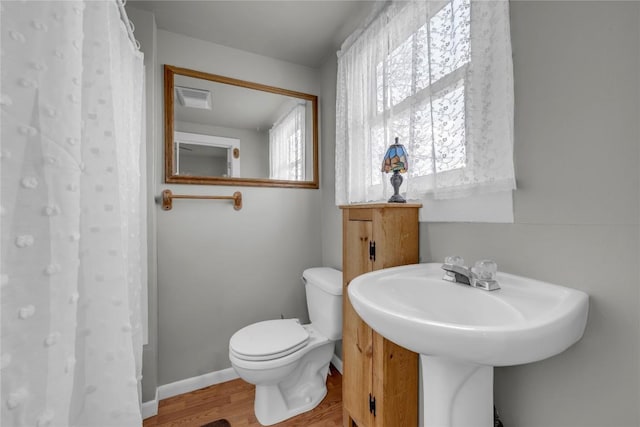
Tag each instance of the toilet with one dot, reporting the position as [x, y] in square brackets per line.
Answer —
[288, 362]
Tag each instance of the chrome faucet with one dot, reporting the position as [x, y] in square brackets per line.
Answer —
[481, 276]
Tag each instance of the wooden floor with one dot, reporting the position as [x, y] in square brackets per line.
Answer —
[233, 400]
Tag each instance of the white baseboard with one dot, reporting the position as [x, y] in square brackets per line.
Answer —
[165, 391]
[195, 383]
[149, 409]
[337, 363]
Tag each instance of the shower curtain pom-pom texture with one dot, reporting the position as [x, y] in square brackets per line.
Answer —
[71, 104]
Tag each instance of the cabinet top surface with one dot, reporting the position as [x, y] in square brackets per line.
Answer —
[378, 205]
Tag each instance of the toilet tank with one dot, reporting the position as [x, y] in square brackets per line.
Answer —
[323, 286]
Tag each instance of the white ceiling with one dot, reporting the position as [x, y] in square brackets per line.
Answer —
[304, 32]
[233, 106]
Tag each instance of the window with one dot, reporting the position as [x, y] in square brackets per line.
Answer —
[426, 71]
[286, 146]
[439, 77]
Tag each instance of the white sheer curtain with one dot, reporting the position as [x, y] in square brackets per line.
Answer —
[438, 75]
[287, 144]
[71, 98]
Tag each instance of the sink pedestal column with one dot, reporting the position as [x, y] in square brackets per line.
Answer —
[456, 393]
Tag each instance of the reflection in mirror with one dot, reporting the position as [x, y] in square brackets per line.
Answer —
[204, 155]
[221, 130]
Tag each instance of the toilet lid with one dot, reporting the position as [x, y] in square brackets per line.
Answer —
[270, 339]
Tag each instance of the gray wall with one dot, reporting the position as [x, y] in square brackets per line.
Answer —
[201, 165]
[577, 161]
[221, 269]
[331, 215]
[577, 92]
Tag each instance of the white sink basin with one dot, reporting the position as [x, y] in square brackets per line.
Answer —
[525, 321]
[462, 332]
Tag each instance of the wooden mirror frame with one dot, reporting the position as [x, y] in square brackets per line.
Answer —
[169, 160]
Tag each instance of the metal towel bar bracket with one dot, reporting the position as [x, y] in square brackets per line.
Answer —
[168, 196]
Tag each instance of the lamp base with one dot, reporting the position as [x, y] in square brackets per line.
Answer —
[396, 181]
[396, 199]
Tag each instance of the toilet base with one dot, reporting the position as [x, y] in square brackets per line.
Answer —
[300, 392]
[271, 406]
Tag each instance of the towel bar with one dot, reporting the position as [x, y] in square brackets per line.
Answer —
[168, 196]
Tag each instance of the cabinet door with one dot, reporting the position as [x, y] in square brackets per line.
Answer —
[395, 232]
[394, 368]
[357, 237]
[395, 384]
[357, 346]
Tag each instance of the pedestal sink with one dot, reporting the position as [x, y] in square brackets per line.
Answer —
[462, 332]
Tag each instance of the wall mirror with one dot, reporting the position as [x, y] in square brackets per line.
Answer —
[224, 131]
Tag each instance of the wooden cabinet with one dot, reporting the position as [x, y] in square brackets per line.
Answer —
[380, 379]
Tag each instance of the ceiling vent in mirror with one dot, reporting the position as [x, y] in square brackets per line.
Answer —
[194, 98]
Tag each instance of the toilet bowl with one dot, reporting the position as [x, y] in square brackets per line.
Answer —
[288, 362]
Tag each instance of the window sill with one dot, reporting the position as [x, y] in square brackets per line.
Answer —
[491, 207]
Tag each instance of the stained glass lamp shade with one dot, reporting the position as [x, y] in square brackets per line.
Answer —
[395, 160]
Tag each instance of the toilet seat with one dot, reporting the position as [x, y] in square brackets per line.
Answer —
[268, 340]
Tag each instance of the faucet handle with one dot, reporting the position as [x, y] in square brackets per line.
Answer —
[454, 260]
[485, 269]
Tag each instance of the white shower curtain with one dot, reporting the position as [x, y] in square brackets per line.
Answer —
[71, 98]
